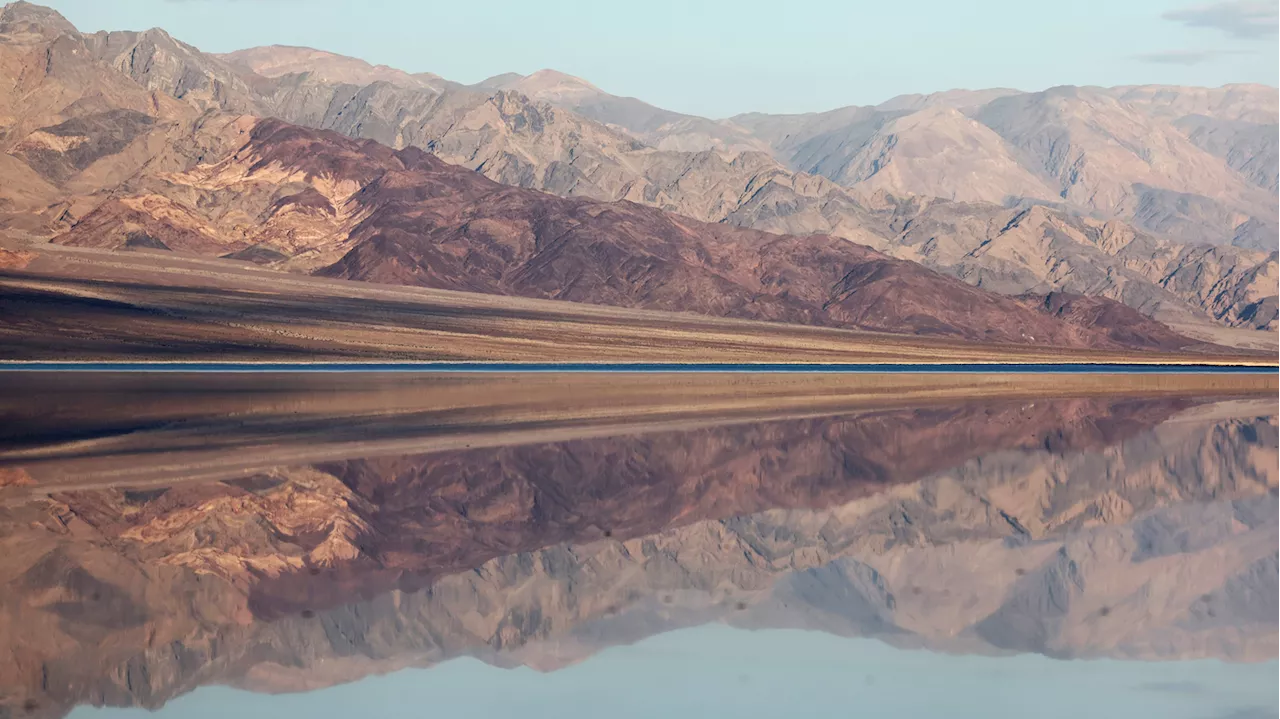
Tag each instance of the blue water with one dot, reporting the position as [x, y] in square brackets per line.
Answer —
[620, 367]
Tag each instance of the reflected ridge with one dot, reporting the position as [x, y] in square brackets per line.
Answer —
[1134, 527]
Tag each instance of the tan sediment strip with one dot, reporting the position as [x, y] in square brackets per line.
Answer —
[148, 305]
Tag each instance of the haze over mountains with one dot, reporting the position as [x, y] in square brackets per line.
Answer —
[1152, 197]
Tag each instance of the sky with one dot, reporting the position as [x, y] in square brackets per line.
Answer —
[718, 58]
[715, 671]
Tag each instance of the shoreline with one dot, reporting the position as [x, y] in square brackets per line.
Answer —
[647, 367]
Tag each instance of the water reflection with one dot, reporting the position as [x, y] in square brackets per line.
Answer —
[1065, 522]
[714, 671]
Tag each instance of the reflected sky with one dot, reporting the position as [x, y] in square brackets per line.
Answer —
[763, 546]
[720, 671]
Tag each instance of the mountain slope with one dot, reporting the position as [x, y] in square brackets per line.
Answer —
[821, 143]
[162, 64]
[71, 126]
[1235, 122]
[1252, 149]
[939, 152]
[511, 138]
[357, 210]
[1041, 250]
[656, 127]
[1154, 155]
[1105, 156]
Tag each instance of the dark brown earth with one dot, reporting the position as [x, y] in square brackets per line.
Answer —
[59, 303]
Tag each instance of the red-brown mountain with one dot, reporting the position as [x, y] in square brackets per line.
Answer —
[317, 201]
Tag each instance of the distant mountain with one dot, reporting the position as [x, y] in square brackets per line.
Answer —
[1105, 156]
[662, 129]
[1251, 104]
[1138, 154]
[956, 99]
[938, 152]
[913, 145]
[1237, 122]
[162, 64]
[280, 60]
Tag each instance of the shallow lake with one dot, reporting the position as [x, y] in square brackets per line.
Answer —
[200, 544]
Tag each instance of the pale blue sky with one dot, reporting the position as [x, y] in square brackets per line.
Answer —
[716, 671]
[721, 57]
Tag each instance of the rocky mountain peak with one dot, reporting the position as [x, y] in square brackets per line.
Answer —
[547, 85]
[548, 76]
[24, 16]
[275, 61]
[959, 99]
[500, 80]
[939, 151]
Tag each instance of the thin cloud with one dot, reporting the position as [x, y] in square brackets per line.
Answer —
[1185, 57]
[1258, 712]
[1177, 687]
[1244, 19]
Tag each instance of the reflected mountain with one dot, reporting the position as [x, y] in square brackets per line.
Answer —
[96, 429]
[1129, 526]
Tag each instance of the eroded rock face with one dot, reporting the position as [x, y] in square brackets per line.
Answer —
[1143, 528]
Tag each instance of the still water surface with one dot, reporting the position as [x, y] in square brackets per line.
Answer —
[635, 546]
[715, 670]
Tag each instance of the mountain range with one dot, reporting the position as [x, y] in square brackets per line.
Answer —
[1156, 198]
[1127, 154]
